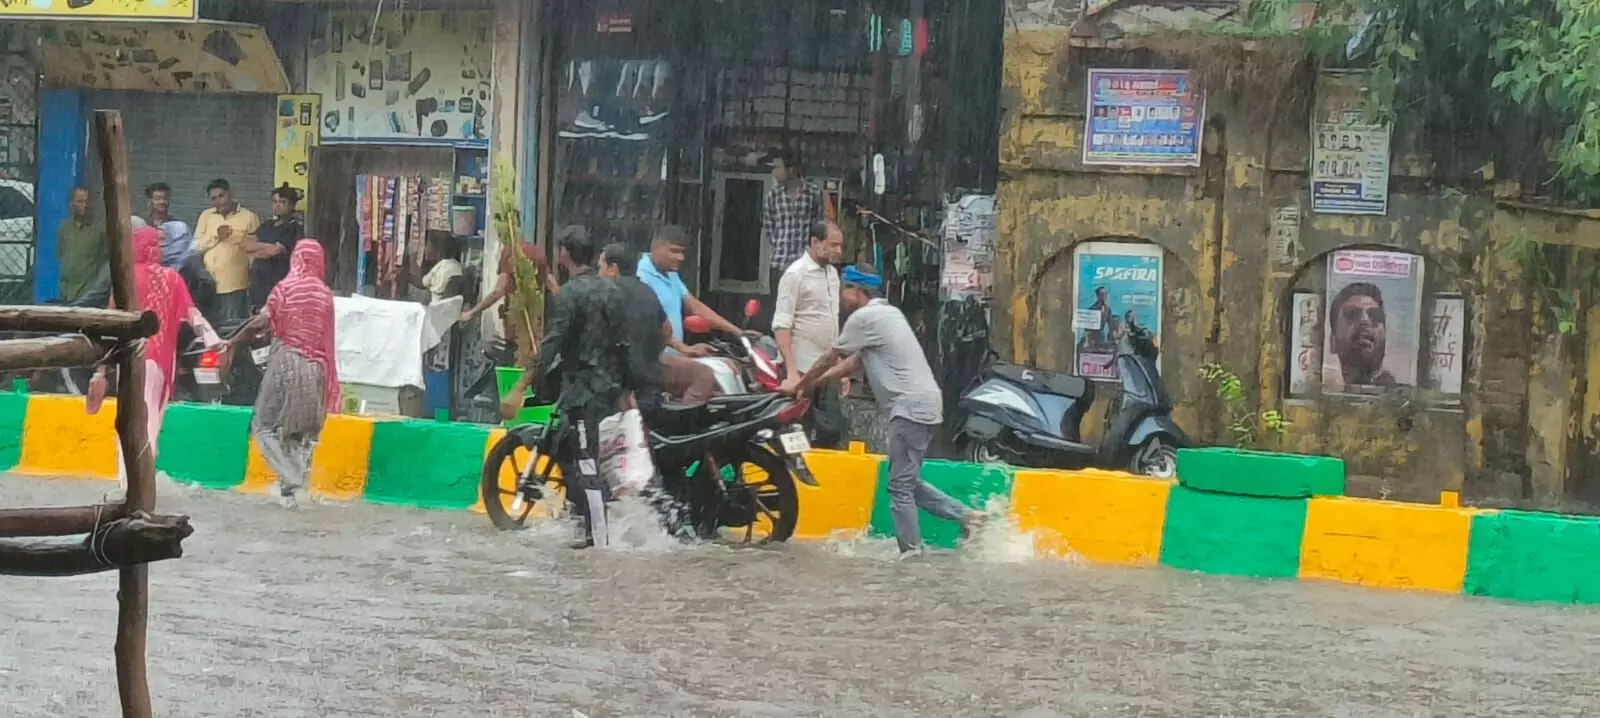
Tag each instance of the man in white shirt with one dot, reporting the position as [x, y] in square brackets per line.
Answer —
[805, 323]
[443, 278]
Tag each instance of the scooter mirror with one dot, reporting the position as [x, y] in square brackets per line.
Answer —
[752, 308]
[696, 324]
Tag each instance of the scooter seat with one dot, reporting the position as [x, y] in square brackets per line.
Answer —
[1047, 382]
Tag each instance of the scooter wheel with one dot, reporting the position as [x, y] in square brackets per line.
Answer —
[983, 452]
[1155, 458]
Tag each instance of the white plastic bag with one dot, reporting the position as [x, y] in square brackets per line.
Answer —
[625, 453]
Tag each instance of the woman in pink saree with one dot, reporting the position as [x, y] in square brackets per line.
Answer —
[301, 384]
[161, 290]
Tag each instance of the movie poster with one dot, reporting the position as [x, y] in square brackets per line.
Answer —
[1118, 284]
[1373, 321]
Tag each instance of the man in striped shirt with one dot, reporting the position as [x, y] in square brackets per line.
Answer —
[790, 210]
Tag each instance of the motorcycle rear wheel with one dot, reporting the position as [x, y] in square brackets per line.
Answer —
[772, 493]
[508, 505]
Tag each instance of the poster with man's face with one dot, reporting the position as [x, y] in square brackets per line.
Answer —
[1372, 321]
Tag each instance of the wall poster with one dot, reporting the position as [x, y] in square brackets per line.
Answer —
[1373, 321]
[1447, 344]
[1305, 343]
[297, 131]
[1117, 284]
[1143, 117]
[1349, 153]
[101, 9]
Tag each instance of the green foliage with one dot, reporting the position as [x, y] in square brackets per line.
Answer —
[1242, 419]
[1550, 273]
[1514, 79]
[526, 300]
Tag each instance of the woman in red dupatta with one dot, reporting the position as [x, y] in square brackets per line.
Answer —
[301, 383]
[161, 290]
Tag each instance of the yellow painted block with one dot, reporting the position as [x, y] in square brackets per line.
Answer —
[1385, 543]
[1101, 516]
[338, 467]
[60, 438]
[841, 505]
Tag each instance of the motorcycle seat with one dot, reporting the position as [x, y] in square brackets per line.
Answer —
[1046, 382]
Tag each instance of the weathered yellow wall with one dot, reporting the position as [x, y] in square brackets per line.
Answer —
[1519, 432]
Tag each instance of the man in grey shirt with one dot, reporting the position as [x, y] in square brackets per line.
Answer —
[877, 337]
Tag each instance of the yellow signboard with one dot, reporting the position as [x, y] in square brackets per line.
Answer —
[298, 131]
[101, 9]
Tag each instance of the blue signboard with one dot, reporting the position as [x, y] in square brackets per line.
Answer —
[1143, 117]
[1118, 284]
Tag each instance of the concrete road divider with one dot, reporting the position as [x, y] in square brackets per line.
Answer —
[1266, 524]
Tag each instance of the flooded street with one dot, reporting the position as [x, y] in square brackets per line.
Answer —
[357, 610]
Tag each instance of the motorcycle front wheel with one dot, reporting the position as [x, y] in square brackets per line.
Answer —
[1155, 458]
[508, 502]
[983, 452]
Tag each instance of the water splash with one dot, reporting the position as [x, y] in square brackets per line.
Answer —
[636, 526]
[1000, 539]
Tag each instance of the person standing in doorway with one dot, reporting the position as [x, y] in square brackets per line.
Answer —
[877, 337]
[659, 271]
[301, 384]
[805, 323]
[445, 275]
[786, 218]
[273, 245]
[224, 233]
[81, 249]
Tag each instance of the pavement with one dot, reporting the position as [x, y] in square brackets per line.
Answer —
[362, 610]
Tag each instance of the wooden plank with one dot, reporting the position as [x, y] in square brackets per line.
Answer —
[113, 323]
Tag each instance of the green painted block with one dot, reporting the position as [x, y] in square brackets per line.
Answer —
[505, 380]
[205, 444]
[1530, 556]
[1260, 473]
[13, 413]
[971, 484]
[425, 463]
[1232, 534]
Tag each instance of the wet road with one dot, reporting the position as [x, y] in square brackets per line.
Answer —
[355, 610]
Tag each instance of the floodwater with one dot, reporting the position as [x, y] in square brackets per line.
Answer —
[357, 610]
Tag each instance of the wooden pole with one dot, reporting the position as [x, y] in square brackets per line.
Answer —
[113, 323]
[60, 521]
[124, 543]
[51, 352]
[133, 599]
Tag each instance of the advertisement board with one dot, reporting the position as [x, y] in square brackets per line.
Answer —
[1148, 118]
[1118, 283]
[101, 9]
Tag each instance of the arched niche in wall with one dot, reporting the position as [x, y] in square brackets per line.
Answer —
[1083, 296]
[1367, 321]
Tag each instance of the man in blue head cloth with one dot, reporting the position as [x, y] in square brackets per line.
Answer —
[877, 337]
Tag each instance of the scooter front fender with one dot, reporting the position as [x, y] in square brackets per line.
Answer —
[1156, 425]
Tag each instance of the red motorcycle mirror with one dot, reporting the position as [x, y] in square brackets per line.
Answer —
[752, 308]
[696, 324]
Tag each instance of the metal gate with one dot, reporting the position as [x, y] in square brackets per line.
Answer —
[19, 111]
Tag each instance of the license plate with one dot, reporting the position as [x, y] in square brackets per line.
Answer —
[260, 355]
[795, 443]
[207, 376]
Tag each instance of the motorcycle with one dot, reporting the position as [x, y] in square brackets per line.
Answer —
[1017, 414]
[704, 453]
[221, 376]
[747, 363]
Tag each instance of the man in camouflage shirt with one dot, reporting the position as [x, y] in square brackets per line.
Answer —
[584, 357]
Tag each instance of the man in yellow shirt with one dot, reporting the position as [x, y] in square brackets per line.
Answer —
[226, 233]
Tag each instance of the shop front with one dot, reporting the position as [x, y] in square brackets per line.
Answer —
[672, 113]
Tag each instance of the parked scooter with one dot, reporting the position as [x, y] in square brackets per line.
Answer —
[1032, 417]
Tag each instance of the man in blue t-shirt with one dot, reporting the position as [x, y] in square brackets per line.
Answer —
[659, 271]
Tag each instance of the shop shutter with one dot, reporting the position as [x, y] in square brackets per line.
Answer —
[187, 140]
